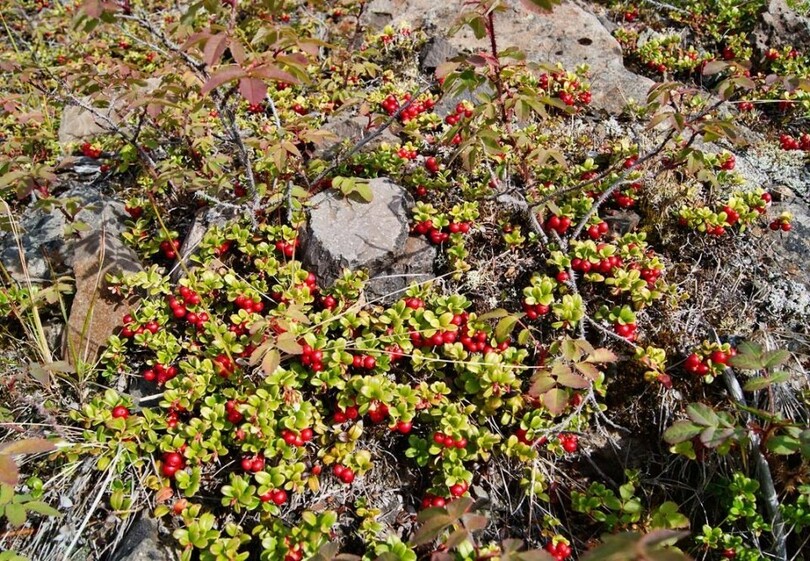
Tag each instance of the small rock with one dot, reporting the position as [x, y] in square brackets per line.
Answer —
[622, 221]
[142, 543]
[436, 52]
[204, 219]
[345, 233]
[782, 25]
[414, 265]
[353, 129]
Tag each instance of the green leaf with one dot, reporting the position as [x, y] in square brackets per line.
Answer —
[702, 414]
[42, 508]
[775, 358]
[6, 494]
[783, 444]
[681, 431]
[505, 327]
[15, 513]
[434, 522]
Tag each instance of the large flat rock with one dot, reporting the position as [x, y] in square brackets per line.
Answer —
[347, 233]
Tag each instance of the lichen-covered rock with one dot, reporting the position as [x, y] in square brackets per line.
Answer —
[413, 265]
[570, 34]
[782, 25]
[347, 233]
[46, 246]
[142, 543]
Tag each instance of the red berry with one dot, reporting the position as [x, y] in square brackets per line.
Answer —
[457, 490]
[439, 438]
[432, 164]
[120, 412]
[173, 459]
[719, 357]
[279, 496]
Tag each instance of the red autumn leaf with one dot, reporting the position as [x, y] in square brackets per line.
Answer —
[225, 74]
[253, 90]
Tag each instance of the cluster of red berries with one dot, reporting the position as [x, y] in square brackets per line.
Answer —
[569, 442]
[170, 249]
[160, 373]
[223, 248]
[178, 304]
[224, 366]
[534, 311]
[277, 496]
[343, 415]
[604, 266]
[300, 109]
[447, 441]
[313, 358]
[462, 111]
[438, 236]
[253, 464]
[623, 200]
[787, 142]
[328, 302]
[559, 224]
[631, 14]
[781, 223]
[345, 474]
[299, 438]
[232, 413]
[406, 154]
[559, 551]
[626, 330]
[286, 248]
[391, 105]
[700, 366]
[120, 412]
[596, 231]
[128, 332]
[172, 462]
[378, 413]
[173, 418]
[244, 302]
[366, 362]
[256, 108]
[649, 275]
[295, 552]
[433, 501]
[90, 151]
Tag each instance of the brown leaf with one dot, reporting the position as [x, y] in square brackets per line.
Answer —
[221, 76]
[253, 90]
[214, 48]
[288, 342]
[555, 400]
[271, 362]
[9, 474]
[27, 446]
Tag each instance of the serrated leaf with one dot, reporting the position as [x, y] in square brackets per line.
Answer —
[253, 90]
[746, 362]
[758, 383]
[524, 336]
[505, 327]
[454, 539]
[221, 76]
[588, 370]
[775, 358]
[702, 414]
[555, 400]
[572, 380]
[602, 355]
[540, 384]
[214, 48]
[6, 494]
[681, 431]
[783, 444]
[288, 343]
[15, 514]
[271, 362]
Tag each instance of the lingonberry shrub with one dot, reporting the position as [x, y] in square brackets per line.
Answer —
[283, 416]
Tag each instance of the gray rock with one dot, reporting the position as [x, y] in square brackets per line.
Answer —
[570, 34]
[46, 248]
[142, 543]
[782, 25]
[622, 221]
[437, 51]
[351, 128]
[204, 219]
[347, 233]
[414, 265]
[79, 124]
